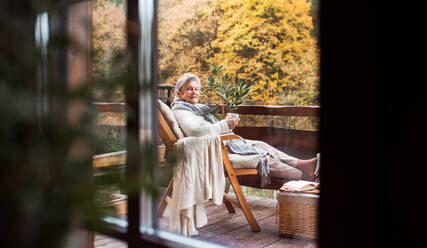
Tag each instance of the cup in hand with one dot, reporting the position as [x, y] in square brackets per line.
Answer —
[234, 115]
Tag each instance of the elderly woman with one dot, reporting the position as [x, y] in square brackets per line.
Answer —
[275, 167]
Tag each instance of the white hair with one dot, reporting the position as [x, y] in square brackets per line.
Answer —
[187, 77]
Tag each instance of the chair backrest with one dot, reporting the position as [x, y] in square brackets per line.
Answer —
[169, 129]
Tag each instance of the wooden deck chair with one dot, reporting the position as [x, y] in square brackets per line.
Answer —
[170, 133]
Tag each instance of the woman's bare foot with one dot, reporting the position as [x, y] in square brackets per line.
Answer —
[308, 167]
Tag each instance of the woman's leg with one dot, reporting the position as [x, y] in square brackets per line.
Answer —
[306, 166]
[285, 158]
[282, 170]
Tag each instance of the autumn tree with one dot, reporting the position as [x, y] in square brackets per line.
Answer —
[109, 43]
[264, 42]
[269, 43]
[186, 31]
[109, 70]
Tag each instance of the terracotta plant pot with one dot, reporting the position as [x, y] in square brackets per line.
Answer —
[161, 149]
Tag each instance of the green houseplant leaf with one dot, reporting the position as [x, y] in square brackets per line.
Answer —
[230, 94]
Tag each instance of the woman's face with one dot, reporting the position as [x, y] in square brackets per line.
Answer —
[190, 92]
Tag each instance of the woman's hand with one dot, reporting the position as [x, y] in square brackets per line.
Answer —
[232, 123]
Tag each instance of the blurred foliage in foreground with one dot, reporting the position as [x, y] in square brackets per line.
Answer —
[46, 133]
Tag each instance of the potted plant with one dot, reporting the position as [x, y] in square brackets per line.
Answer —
[230, 94]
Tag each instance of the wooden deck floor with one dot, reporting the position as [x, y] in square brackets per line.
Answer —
[232, 229]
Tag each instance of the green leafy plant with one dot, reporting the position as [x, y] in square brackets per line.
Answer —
[230, 94]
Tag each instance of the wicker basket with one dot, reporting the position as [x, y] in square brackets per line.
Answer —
[298, 214]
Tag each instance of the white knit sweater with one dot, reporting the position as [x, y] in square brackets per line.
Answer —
[193, 125]
[198, 178]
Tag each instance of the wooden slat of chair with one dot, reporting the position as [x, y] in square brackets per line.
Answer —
[164, 202]
[232, 175]
[169, 138]
[166, 134]
[226, 200]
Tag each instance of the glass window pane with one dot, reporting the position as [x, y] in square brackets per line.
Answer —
[259, 59]
[109, 70]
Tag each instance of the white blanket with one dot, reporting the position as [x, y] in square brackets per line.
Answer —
[199, 177]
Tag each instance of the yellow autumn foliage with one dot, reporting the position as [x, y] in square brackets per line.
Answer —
[109, 41]
[269, 43]
[185, 30]
[265, 42]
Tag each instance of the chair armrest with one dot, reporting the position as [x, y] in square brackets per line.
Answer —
[229, 136]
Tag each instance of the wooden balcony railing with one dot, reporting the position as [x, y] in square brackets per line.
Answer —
[302, 143]
[110, 107]
[296, 142]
